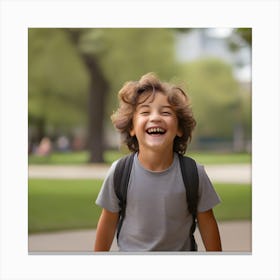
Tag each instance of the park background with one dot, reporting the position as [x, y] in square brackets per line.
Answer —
[74, 76]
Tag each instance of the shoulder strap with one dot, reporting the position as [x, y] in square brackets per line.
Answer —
[191, 181]
[121, 179]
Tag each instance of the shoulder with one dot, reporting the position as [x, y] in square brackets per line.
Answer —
[125, 159]
[123, 162]
[200, 168]
[120, 165]
[112, 168]
[202, 175]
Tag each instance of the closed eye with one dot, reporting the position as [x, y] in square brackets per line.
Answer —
[166, 113]
[144, 113]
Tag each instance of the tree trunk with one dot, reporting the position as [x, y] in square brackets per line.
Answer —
[96, 102]
[96, 107]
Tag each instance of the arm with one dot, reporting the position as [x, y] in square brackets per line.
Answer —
[105, 230]
[209, 231]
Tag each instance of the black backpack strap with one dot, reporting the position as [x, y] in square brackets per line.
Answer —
[191, 181]
[121, 179]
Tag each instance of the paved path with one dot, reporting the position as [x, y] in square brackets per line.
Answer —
[236, 237]
[228, 173]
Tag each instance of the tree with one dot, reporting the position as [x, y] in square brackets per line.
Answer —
[87, 43]
[245, 34]
[133, 53]
[100, 55]
[214, 95]
[107, 52]
[57, 82]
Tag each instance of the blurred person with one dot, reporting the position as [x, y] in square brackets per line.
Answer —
[45, 147]
[63, 144]
[156, 122]
[78, 143]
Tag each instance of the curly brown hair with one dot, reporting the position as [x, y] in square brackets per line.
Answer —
[129, 99]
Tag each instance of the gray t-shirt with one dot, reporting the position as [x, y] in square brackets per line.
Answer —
[157, 217]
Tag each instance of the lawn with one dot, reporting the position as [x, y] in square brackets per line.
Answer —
[236, 202]
[111, 155]
[70, 204]
[62, 204]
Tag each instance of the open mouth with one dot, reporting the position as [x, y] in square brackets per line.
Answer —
[156, 131]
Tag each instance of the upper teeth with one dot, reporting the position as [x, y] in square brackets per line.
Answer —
[156, 129]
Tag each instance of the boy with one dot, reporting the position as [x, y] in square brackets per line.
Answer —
[156, 122]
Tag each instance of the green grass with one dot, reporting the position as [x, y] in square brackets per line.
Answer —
[62, 204]
[70, 204]
[236, 202]
[111, 155]
[71, 158]
[60, 158]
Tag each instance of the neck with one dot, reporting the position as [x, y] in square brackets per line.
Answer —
[155, 162]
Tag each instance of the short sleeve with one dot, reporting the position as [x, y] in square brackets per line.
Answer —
[107, 198]
[208, 198]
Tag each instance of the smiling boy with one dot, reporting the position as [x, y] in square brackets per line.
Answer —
[156, 123]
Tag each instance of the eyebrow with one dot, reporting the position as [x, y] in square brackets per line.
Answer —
[139, 107]
[143, 106]
[167, 106]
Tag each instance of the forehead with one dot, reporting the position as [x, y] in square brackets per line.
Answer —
[150, 97]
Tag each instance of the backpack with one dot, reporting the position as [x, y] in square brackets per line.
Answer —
[190, 178]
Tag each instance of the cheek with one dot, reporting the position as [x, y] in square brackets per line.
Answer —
[138, 126]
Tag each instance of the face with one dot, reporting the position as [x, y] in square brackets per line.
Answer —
[155, 124]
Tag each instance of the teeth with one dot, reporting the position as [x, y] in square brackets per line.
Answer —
[156, 130]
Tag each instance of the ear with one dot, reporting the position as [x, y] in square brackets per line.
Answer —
[179, 132]
[132, 132]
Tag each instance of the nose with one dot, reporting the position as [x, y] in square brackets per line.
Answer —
[155, 116]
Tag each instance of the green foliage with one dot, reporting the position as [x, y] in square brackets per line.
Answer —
[70, 204]
[214, 94]
[246, 34]
[135, 52]
[57, 80]
[245, 113]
